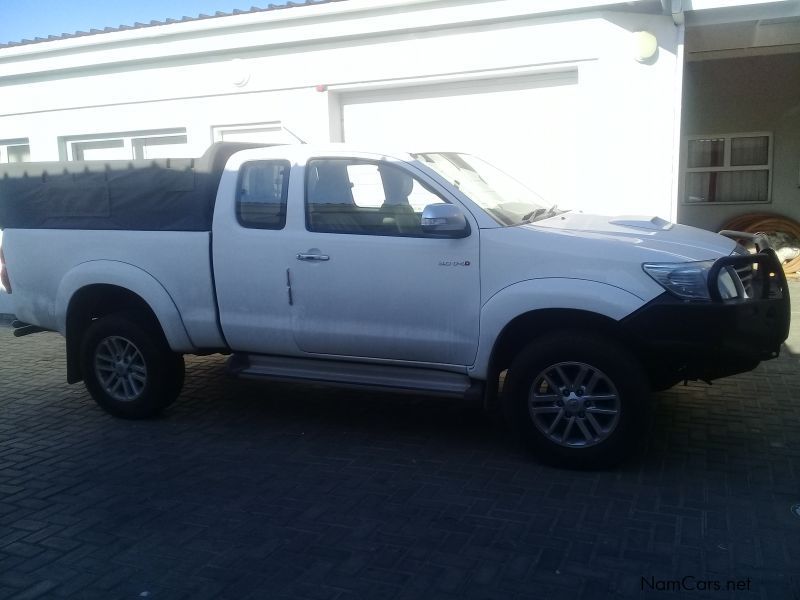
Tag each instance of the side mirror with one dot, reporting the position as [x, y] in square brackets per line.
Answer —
[445, 221]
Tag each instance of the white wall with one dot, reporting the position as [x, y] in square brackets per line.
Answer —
[148, 79]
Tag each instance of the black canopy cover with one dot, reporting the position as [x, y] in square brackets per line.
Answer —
[175, 194]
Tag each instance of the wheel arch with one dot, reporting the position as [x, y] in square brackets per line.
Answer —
[523, 328]
[527, 310]
[95, 290]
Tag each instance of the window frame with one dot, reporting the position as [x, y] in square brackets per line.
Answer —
[134, 143]
[378, 163]
[13, 143]
[726, 165]
[284, 192]
[218, 132]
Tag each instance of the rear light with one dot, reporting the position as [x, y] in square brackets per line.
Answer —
[4, 272]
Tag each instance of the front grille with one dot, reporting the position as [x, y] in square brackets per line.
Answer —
[755, 277]
[761, 276]
[745, 273]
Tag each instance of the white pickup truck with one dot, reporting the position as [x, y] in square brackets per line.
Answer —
[431, 273]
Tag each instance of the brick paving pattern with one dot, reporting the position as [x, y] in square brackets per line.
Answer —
[246, 490]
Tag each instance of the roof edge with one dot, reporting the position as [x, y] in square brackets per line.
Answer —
[170, 21]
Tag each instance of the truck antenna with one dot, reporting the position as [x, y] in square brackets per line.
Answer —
[293, 134]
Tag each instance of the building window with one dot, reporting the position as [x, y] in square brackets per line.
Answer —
[267, 132]
[728, 168]
[160, 143]
[15, 151]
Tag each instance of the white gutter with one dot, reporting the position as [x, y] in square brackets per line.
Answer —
[677, 116]
[674, 8]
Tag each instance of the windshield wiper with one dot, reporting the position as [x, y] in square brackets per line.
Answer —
[551, 212]
[539, 214]
[531, 216]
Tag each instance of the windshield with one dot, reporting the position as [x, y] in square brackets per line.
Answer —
[500, 195]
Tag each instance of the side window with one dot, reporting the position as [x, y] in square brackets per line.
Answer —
[261, 197]
[364, 197]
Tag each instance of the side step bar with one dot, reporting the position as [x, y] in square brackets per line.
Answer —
[354, 375]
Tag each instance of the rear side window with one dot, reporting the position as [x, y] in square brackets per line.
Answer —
[262, 192]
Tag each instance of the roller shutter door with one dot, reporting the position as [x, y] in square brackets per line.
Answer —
[524, 125]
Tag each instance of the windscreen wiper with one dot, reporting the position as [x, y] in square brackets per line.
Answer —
[531, 216]
[539, 214]
[550, 212]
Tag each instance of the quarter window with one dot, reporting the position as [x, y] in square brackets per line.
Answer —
[261, 197]
[728, 168]
[365, 197]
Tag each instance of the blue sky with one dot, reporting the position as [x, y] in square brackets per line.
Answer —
[29, 19]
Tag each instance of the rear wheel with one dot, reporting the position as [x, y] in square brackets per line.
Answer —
[577, 399]
[128, 367]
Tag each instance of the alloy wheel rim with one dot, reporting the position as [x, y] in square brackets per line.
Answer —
[120, 368]
[574, 404]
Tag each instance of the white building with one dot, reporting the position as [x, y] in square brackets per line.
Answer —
[686, 109]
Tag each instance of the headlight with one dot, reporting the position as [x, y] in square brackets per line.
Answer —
[689, 280]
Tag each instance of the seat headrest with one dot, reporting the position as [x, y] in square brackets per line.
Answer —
[329, 183]
[397, 185]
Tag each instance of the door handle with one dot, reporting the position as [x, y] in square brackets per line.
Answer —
[313, 257]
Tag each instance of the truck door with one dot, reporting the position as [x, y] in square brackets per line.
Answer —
[366, 280]
[251, 256]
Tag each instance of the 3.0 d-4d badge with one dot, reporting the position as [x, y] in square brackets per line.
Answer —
[454, 263]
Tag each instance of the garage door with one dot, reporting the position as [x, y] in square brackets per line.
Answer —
[524, 125]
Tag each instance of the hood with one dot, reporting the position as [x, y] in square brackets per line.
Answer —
[667, 241]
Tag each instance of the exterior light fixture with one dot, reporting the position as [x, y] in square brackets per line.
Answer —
[645, 46]
[238, 72]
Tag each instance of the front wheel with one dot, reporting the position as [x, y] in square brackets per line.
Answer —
[577, 399]
[128, 367]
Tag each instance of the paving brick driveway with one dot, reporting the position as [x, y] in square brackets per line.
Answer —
[274, 491]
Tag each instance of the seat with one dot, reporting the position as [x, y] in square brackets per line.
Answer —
[396, 209]
[331, 208]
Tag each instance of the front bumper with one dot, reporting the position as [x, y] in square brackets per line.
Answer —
[680, 340]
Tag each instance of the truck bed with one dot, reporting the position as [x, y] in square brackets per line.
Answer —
[179, 261]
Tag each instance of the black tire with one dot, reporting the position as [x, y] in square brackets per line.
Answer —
[151, 379]
[178, 371]
[606, 421]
